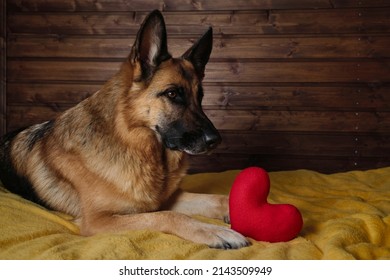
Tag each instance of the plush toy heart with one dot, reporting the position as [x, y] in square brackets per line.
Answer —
[253, 216]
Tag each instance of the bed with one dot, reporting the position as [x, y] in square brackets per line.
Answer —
[346, 216]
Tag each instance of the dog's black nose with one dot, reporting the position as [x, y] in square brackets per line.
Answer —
[212, 139]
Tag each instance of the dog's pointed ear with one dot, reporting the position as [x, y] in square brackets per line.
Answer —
[150, 47]
[199, 53]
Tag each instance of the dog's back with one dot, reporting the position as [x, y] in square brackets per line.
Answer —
[21, 159]
[8, 174]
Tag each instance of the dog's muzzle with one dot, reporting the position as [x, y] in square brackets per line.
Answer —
[193, 142]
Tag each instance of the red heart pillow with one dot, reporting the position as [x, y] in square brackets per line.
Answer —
[251, 214]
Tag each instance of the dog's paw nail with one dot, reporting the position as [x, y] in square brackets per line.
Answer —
[227, 245]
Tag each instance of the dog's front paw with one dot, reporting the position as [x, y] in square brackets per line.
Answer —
[226, 238]
[219, 237]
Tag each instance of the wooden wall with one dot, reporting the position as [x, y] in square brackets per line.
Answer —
[291, 83]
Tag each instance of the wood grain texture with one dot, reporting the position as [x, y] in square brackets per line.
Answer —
[323, 21]
[165, 5]
[233, 47]
[184, 5]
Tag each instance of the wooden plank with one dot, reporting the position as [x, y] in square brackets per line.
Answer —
[333, 21]
[347, 97]
[276, 72]
[277, 96]
[19, 116]
[129, 23]
[61, 70]
[360, 3]
[166, 5]
[238, 71]
[222, 162]
[182, 5]
[320, 121]
[305, 144]
[43, 94]
[235, 47]
[243, 120]
[76, 46]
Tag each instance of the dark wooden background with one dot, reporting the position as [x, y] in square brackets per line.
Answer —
[291, 83]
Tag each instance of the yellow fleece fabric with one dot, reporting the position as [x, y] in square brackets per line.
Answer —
[346, 216]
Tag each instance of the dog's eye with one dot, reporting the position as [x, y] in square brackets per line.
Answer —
[172, 94]
[175, 94]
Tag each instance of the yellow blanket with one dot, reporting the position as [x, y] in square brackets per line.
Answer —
[346, 216]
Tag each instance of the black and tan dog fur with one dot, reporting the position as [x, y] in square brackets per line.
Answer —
[115, 160]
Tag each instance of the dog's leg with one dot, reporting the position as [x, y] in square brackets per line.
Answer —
[209, 205]
[169, 222]
[104, 209]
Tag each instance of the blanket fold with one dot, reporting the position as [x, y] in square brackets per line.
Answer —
[346, 216]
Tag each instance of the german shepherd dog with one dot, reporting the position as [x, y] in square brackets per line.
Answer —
[115, 160]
